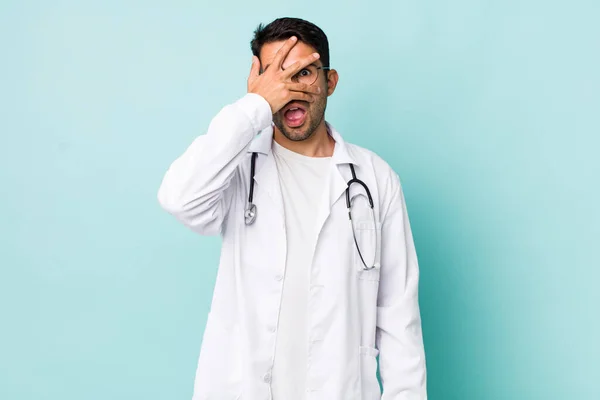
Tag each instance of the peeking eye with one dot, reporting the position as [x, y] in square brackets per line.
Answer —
[304, 72]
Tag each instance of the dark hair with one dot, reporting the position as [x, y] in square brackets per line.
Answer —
[285, 28]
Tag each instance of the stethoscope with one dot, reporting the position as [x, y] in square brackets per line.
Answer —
[250, 211]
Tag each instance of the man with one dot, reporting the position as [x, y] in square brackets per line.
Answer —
[309, 292]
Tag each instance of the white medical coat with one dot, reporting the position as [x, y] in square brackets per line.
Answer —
[354, 315]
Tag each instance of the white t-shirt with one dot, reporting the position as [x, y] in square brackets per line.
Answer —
[303, 180]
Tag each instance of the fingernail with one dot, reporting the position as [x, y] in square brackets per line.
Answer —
[318, 89]
[294, 38]
[316, 55]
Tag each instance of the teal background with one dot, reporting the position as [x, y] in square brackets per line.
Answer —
[489, 111]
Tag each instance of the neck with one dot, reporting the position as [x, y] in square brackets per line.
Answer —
[320, 144]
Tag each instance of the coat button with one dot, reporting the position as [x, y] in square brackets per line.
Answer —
[267, 378]
[278, 278]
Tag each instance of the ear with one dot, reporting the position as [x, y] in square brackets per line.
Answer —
[332, 81]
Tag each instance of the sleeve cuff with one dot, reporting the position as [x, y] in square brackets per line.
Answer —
[257, 109]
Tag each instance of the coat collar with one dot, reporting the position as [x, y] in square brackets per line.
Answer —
[262, 144]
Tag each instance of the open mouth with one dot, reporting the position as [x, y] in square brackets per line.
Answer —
[294, 115]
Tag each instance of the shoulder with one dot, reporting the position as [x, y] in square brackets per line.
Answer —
[368, 159]
[389, 189]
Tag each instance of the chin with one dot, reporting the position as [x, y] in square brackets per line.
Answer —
[296, 134]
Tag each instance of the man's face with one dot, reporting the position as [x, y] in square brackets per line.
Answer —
[298, 120]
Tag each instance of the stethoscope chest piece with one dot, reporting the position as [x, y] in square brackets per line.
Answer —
[250, 214]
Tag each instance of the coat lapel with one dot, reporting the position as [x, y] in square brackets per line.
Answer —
[267, 178]
[336, 188]
[337, 182]
[266, 175]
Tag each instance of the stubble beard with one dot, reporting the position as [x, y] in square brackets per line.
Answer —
[314, 117]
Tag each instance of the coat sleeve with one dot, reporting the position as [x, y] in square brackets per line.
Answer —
[398, 334]
[196, 188]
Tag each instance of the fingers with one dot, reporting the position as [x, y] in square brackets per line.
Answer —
[301, 96]
[300, 64]
[284, 51]
[302, 87]
[302, 92]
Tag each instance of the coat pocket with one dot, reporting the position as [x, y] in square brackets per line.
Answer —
[369, 384]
